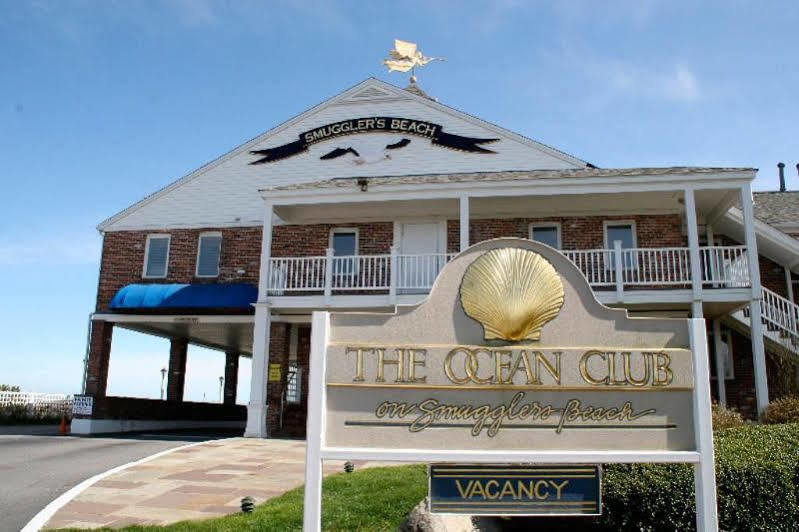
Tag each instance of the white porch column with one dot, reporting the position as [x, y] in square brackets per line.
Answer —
[256, 408]
[693, 251]
[755, 314]
[720, 364]
[464, 222]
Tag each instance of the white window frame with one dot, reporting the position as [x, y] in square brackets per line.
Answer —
[609, 223]
[355, 230]
[556, 225]
[197, 258]
[147, 255]
[609, 245]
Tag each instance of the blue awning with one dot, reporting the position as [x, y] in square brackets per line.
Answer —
[194, 296]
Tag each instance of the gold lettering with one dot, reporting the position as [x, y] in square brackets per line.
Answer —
[475, 490]
[507, 489]
[399, 362]
[538, 492]
[488, 486]
[587, 377]
[559, 487]
[523, 359]
[413, 362]
[526, 488]
[463, 492]
[628, 375]
[359, 351]
[541, 360]
[500, 365]
[662, 365]
[474, 365]
[612, 370]
[448, 365]
[395, 123]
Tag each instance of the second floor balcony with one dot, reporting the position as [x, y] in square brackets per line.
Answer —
[632, 276]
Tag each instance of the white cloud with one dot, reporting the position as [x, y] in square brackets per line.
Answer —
[682, 84]
[194, 12]
[674, 82]
[50, 250]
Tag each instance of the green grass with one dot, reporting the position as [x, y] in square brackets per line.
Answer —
[371, 499]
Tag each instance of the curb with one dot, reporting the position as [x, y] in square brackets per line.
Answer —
[41, 518]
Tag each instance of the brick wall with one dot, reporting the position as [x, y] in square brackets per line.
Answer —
[122, 262]
[293, 419]
[374, 238]
[577, 232]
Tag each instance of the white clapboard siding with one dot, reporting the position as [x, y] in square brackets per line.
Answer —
[226, 192]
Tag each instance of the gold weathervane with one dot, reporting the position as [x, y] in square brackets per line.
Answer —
[512, 292]
[406, 56]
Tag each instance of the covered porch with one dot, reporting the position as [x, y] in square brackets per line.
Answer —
[213, 316]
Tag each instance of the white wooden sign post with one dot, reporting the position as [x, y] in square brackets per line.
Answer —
[511, 359]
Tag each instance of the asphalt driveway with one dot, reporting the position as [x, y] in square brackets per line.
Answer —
[37, 465]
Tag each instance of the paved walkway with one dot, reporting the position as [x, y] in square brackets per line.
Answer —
[199, 482]
[37, 467]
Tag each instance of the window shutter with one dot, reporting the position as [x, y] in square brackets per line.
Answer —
[157, 251]
[208, 259]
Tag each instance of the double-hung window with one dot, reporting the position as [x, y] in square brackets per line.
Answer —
[156, 256]
[624, 232]
[208, 250]
[546, 233]
[344, 242]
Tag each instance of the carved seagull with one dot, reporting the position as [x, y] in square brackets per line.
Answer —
[365, 156]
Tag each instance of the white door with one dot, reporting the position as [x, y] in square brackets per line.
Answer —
[421, 249]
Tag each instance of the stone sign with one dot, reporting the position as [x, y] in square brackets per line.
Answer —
[510, 355]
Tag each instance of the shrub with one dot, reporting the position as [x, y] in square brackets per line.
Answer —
[757, 478]
[8, 388]
[724, 418]
[784, 410]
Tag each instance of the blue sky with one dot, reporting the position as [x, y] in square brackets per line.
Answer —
[104, 102]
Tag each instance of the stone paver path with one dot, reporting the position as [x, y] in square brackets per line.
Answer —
[207, 480]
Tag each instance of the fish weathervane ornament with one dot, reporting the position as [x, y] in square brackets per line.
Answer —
[406, 56]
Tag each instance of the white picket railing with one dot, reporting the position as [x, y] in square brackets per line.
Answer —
[656, 266]
[37, 403]
[721, 267]
[781, 313]
[724, 266]
[596, 264]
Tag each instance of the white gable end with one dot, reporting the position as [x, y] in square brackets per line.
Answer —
[225, 192]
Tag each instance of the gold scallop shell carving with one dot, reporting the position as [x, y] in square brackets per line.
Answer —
[512, 292]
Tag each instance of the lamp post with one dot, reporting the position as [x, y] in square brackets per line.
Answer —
[163, 376]
[221, 389]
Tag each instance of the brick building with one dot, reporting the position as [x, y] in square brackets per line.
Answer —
[360, 201]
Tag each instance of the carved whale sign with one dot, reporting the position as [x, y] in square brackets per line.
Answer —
[511, 359]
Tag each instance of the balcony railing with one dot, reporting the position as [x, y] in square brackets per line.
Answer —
[605, 269]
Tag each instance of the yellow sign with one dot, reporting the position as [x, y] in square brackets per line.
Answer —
[274, 372]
